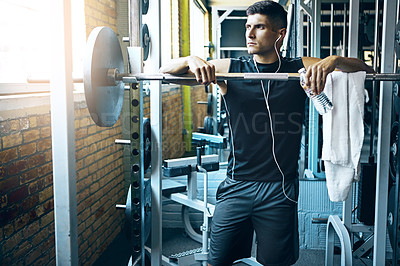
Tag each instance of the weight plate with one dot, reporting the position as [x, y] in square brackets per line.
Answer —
[394, 137]
[145, 6]
[147, 208]
[397, 39]
[396, 97]
[147, 211]
[104, 98]
[208, 125]
[145, 41]
[390, 223]
[147, 143]
[209, 104]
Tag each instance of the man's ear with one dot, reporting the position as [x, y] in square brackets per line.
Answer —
[282, 33]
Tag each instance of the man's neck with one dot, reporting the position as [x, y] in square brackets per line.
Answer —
[265, 59]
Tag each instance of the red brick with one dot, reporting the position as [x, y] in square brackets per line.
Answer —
[45, 169]
[3, 201]
[31, 135]
[29, 176]
[48, 156]
[48, 180]
[44, 259]
[43, 120]
[15, 125]
[8, 230]
[8, 184]
[45, 132]
[18, 195]
[80, 133]
[23, 249]
[27, 149]
[30, 230]
[47, 219]
[36, 186]
[12, 140]
[29, 203]
[33, 255]
[46, 194]
[32, 122]
[44, 144]
[40, 236]
[36, 160]
[12, 242]
[8, 155]
[2, 171]
[21, 222]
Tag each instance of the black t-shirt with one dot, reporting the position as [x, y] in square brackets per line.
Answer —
[251, 156]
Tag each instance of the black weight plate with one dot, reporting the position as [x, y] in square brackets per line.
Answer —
[128, 211]
[397, 40]
[206, 124]
[210, 125]
[209, 104]
[147, 143]
[145, 41]
[104, 100]
[396, 97]
[147, 209]
[391, 203]
[394, 137]
[145, 6]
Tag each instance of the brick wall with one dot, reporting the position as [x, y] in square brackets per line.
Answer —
[27, 228]
[27, 216]
[100, 13]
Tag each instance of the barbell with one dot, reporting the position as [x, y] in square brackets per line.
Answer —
[104, 79]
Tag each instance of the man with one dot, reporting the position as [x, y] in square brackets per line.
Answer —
[264, 119]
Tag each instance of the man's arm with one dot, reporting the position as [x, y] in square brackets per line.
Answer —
[318, 69]
[203, 70]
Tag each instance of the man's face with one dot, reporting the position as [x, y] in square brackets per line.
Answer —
[260, 37]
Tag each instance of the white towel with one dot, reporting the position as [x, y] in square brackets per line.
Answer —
[343, 132]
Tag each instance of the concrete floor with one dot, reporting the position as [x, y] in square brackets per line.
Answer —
[175, 241]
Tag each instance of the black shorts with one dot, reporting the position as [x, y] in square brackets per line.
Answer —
[246, 206]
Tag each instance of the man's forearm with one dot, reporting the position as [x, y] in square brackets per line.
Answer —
[350, 64]
[176, 66]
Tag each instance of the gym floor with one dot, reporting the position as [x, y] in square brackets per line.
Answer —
[175, 241]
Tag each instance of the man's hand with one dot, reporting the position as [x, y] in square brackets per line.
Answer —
[317, 73]
[203, 70]
[318, 70]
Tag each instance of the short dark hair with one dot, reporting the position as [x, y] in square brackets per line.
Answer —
[276, 14]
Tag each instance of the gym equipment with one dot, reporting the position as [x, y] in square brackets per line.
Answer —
[145, 41]
[394, 149]
[147, 143]
[104, 81]
[145, 6]
[104, 97]
[397, 39]
[128, 211]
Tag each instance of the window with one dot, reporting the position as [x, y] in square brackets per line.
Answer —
[197, 31]
[25, 30]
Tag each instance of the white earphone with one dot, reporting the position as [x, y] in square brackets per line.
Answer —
[266, 97]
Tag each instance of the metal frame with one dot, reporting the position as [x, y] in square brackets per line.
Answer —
[63, 137]
[384, 126]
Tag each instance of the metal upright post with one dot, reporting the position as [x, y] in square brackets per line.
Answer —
[353, 52]
[154, 63]
[63, 137]
[137, 215]
[313, 114]
[384, 126]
